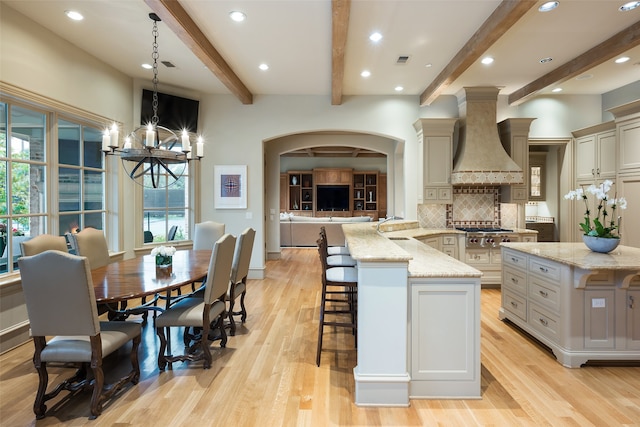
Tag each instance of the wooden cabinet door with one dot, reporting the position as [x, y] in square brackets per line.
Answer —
[585, 157]
[606, 153]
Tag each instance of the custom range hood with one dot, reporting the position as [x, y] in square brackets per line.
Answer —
[481, 159]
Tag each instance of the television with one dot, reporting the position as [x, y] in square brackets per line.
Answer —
[174, 112]
[332, 197]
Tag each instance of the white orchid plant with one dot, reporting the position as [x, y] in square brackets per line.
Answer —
[604, 224]
[163, 254]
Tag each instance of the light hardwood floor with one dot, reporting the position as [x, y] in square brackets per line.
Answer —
[266, 376]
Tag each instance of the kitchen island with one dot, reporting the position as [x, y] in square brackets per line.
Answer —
[584, 306]
[418, 320]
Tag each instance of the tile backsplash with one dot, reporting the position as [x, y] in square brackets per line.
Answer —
[472, 206]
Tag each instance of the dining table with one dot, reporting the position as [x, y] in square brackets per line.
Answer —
[139, 278]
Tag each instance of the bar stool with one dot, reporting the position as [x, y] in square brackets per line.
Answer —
[333, 250]
[336, 260]
[339, 297]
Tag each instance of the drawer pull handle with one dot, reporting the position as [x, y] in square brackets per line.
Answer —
[514, 280]
[514, 260]
[544, 270]
[544, 322]
[543, 293]
[514, 304]
[631, 302]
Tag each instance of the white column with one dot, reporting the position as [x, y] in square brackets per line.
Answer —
[381, 375]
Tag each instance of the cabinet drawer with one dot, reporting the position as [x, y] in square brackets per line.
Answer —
[544, 293]
[514, 304]
[514, 259]
[544, 269]
[450, 251]
[449, 240]
[543, 322]
[515, 280]
[477, 256]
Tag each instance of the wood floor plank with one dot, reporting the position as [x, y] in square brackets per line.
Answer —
[266, 376]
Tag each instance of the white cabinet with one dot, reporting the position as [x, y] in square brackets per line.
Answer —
[628, 130]
[514, 135]
[437, 136]
[445, 359]
[596, 153]
[579, 314]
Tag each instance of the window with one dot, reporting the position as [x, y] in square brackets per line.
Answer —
[166, 210]
[52, 176]
[81, 177]
[23, 172]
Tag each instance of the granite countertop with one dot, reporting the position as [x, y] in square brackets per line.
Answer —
[578, 255]
[429, 262]
[367, 244]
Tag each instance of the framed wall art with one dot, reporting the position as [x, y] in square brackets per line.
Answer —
[230, 186]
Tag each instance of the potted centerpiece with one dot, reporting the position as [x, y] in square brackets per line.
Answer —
[163, 257]
[602, 234]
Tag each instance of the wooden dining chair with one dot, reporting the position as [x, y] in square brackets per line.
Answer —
[200, 313]
[43, 242]
[338, 298]
[65, 328]
[239, 273]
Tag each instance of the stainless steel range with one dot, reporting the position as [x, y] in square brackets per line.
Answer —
[486, 237]
[482, 251]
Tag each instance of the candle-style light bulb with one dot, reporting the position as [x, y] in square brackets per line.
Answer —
[150, 140]
[186, 144]
[105, 141]
[200, 148]
[113, 136]
[127, 143]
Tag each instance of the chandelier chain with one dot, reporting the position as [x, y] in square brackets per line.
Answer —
[155, 56]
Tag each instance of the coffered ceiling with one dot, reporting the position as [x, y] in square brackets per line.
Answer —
[320, 47]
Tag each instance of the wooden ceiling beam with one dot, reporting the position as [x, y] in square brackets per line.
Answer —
[340, 10]
[503, 18]
[610, 48]
[178, 20]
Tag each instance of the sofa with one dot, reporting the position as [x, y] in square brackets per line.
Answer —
[304, 231]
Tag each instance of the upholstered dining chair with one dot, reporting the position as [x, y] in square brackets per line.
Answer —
[43, 242]
[91, 243]
[200, 313]
[239, 273]
[61, 305]
[206, 234]
[338, 298]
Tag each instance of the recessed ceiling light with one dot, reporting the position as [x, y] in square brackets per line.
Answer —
[147, 66]
[428, 65]
[375, 37]
[72, 14]
[622, 59]
[237, 16]
[487, 60]
[399, 88]
[558, 89]
[263, 67]
[545, 60]
[548, 6]
[365, 73]
[584, 77]
[629, 6]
